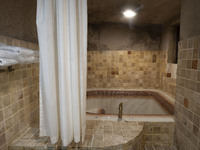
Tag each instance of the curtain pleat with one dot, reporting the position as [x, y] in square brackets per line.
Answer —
[62, 36]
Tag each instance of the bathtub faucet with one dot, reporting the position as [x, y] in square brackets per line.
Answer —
[120, 110]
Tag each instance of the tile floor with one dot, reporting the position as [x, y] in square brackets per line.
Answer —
[98, 134]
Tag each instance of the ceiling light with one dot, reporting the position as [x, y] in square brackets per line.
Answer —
[129, 13]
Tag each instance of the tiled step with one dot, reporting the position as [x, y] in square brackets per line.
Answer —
[99, 135]
[159, 147]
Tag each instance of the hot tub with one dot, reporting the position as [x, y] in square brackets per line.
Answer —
[145, 103]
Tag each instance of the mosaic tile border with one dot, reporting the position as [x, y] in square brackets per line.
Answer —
[161, 100]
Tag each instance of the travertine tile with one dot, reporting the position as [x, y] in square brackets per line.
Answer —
[13, 88]
[2, 139]
[8, 123]
[92, 140]
[128, 69]
[187, 105]
[1, 115]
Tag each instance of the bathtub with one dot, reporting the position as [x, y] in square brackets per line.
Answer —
[146, 103]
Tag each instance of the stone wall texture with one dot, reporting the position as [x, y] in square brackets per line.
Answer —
[123, 69]
[187, 106]
[123, 37]
[19, 96]
[18, 19]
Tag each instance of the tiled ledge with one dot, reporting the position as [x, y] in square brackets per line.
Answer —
[105, 135]
[163, 93]
[99, 135]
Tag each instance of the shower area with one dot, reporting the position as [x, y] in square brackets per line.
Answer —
[99, 74]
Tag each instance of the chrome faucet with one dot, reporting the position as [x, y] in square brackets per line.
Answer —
[120, 110]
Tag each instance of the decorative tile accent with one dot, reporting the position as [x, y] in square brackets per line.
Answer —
[194, 64]
[168, 74]
[186, 102]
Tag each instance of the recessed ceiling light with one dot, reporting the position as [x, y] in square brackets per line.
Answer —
[129, 13]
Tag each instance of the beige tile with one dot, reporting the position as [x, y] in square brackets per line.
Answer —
[98, 137]
[90, 126]
[8, 123]
[98, 131]
[108, 131]
[30, 143]
[1, 115]
[2, 139]
[108, 143]
[88, 137]
[89, 131]
[6, 101]
[86, 143]
[97, 144]
[109, 127]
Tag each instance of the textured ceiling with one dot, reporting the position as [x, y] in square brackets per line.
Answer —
[153, 12]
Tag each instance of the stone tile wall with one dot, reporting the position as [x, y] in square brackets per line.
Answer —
[187, 106]
[131, 70]
[124, 69]
[159, 133]
[169, 79]
[19, 96]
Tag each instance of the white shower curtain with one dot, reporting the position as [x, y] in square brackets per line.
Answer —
[62, 36]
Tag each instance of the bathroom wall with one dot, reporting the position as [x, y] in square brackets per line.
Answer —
[125, 69]
[187, 108]
[120, 56]
[19, 96]
[190, 19]
[123, 37]
[168, 80]
[18, 19]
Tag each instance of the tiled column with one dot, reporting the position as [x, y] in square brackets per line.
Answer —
[187, 107]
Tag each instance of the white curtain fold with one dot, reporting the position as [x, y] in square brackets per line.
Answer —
[62, 36]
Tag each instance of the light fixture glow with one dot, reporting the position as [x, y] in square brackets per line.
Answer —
[129, 13]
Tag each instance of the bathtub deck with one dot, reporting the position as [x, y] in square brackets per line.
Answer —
[99, 134]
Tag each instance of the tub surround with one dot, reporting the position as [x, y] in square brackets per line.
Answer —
[101, 134]
[125, 105]
[19, 96]
[161, 100]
